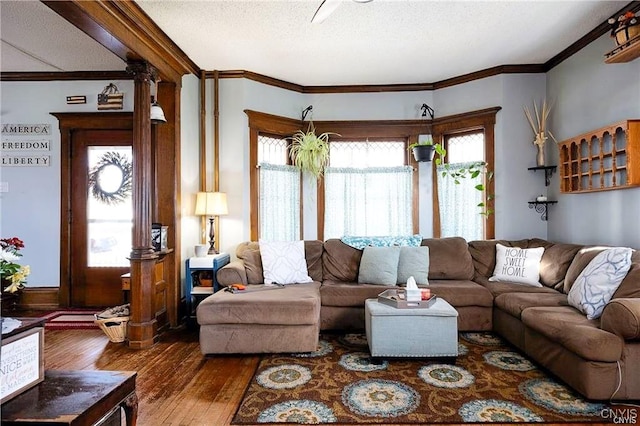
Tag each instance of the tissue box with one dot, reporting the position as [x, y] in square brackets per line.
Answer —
[398, 299]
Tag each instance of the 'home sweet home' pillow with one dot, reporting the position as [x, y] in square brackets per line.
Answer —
[597, 282]
[518, 265]
[283, 262]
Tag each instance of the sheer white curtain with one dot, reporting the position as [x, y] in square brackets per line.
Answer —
[459, 212]
[371, 201]
[279, 202]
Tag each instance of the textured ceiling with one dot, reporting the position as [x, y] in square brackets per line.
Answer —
[34, 38]
[381, 42]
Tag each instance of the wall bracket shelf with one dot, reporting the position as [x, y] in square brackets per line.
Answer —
[548, 172]
[541, 207]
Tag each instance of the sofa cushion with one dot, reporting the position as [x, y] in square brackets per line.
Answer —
[515, 303]
[289, 305]
[518, 265]
[413, 262]
[579, 262]
[497, 288]
[568, 327]
[622, 317]
[341, 262]
[379, 265]
[334, 293]
[461, 292]
[283, 262]
[449, 259]
[630, 286]
[596, 284]
[555, 262]
[249, 253]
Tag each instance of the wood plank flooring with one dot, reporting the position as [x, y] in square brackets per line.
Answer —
[176, 385]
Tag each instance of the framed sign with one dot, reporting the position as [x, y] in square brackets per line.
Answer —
[22, 363]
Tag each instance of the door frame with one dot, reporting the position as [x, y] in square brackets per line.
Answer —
[69, 123]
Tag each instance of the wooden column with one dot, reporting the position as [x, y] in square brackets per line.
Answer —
[142, 328]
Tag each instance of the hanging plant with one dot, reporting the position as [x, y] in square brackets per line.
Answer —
[310, 152]
[472, 171]
[110, 180]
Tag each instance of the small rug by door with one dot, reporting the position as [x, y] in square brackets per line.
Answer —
[70, 319]
[339, 383]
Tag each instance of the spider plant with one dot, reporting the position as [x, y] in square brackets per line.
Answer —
[310, 152]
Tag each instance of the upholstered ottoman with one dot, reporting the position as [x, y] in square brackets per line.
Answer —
[284, 319]
[420, 332]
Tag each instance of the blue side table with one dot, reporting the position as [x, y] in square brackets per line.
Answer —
[195, 293]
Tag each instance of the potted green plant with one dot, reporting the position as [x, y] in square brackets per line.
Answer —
[310, 152]
[423, 150]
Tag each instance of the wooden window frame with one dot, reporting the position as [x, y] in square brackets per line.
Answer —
[268, 125]
[408, 130]
[483, 120]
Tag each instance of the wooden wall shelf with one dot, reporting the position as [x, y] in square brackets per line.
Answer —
[603, 159]
[624, 53]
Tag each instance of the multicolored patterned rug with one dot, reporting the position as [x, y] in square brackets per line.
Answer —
[339, 383]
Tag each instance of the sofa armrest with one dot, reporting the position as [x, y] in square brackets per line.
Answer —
[622, 317]
[232, 273]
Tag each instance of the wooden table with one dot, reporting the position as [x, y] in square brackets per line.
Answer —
[79, 398]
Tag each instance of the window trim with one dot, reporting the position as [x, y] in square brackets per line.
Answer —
[260, 122]
[267, 124]
[482, 120]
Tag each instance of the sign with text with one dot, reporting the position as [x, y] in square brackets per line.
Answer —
[26, 129]
[22, 363]
[26, 145]
[25, 160]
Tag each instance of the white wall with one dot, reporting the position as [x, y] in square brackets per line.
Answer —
[190, 172]
[590, 94]
[30, 210]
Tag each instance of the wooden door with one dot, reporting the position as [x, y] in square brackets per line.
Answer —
[101, 216]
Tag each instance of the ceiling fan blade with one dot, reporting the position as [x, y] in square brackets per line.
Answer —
[325, 9]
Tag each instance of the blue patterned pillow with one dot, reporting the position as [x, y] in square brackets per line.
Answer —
[597, 282]
[388, 241]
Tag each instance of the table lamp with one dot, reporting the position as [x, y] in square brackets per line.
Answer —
[211, 204]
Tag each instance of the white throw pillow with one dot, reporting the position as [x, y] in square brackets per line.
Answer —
[283, 262]
[518, 265]
[597, 282]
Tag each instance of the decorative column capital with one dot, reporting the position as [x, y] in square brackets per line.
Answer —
[142, 71]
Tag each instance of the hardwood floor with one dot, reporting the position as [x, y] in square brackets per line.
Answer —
[176, 385]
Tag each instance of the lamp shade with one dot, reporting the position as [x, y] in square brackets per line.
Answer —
[157, 114]
[211, 204]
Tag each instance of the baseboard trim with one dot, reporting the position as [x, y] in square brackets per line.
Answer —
[39, 298]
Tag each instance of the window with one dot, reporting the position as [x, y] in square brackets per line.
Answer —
[279, 191]
[368, 189]
[458, 202]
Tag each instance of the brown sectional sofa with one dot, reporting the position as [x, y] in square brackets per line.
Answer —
[589, 355]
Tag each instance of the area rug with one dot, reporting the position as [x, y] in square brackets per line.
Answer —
[490, 381]
[70, 319]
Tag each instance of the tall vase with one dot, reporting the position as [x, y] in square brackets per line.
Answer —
[540, 156]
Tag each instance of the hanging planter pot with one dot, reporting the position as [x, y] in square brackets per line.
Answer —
[423, 152]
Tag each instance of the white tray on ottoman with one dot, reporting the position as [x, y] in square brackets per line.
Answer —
[420, 332]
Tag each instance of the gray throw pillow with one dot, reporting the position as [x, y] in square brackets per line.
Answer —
[414, 262]
[379, 265]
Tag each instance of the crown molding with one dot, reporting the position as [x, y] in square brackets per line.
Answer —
[65, 76]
